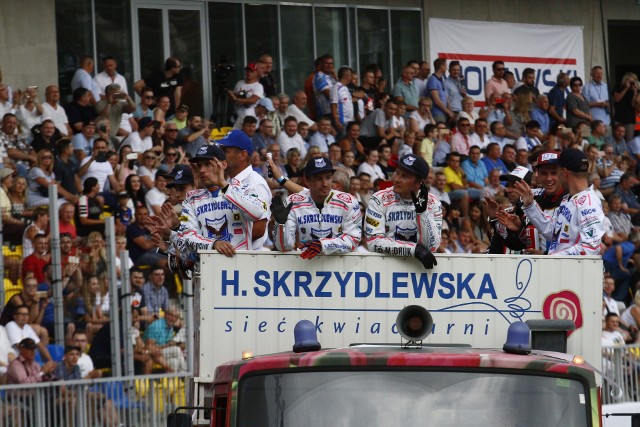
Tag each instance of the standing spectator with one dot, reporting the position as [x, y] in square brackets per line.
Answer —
[528, 82]
[109, 75]
[24, 369]
[114, 105]
[82, 78]
[64, 167]
[246, 94]
[557, 99]
[97, 166]
[596, 93]
[454, 87]
[576, 105]
[624, 96]
[496, 84]
[420, 81]
[323, 81]
[281, 104]
[436, 91]
[405, 90]
[165, 83]
[267, 80]
[341, 101]
[51, 109]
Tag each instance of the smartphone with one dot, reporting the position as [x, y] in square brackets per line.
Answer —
[566, 130]
[132, 156]
[119, 95]
[445, 131]
[73, 259]
[269, 171]
[42, 294]
[585, 132]
[101, 157]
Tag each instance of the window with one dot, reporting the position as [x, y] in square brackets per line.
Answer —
[261, 27]
[115, 16]
[373, 40]
[331, 34]
[151, 41]
[297, 47]
[406, 38]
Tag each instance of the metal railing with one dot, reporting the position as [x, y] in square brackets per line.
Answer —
[127, 401]
[621, 364]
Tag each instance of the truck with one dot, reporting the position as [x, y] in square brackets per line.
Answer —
[467, 373]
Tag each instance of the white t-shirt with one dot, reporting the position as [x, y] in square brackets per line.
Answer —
[154, 197]
[250, 89]
[138, 145]
[341, 96]
[85, 364]
[286, 143]
[374, 171]
[293, 110]
[99, 170]
[57, 115]
[5, 349]
[102, 80]
[16, 334]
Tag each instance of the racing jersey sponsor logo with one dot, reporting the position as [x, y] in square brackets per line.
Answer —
[318, 218]
[320, 233]
[565, 212]
[295, 198]
[372, 221]
[401, 216]
[374, 214]
[586, 212]
[214, 206]
[345, 197]
[218, 228]
[406, 234]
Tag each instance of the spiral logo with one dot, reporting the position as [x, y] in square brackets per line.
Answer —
[563, 305]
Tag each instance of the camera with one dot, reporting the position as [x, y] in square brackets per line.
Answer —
[101, 157]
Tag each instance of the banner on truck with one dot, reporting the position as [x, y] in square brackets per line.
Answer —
[252, 301]
[548, 49]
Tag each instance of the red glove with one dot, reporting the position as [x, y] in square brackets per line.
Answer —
[311, 249]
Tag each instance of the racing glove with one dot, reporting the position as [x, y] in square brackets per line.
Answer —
[279, 211]
[425, 256]
[311, 249]
[420, 201]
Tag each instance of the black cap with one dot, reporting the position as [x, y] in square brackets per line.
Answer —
[573, 160]
[415, 165]
[148, 121]
[208, 152]
[27, 343]
[71, 348]
[318, 165]
[517, 174]
[181, 174]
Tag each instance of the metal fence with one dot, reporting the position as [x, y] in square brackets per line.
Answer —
[621, 366]
[127, 401]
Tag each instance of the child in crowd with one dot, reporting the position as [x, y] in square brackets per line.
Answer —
[427, 145]
[123, 213]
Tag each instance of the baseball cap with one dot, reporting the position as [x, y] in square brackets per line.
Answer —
[414, 165]
[27, 343]
[237, 138]
[148, 121]
[123, 194]
[547, 158]
[251, 66]
[266, 103]
[182, 174]
[5, 172]
[183, 107]
[319, 165]
[88, 123]
[573, 160]
[517, 174]
[208, 152]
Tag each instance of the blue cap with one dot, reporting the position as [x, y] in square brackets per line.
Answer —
[318, 165]
[237, 139]
[208, 152]
[266, 103]
[181, 174]
[415, 165]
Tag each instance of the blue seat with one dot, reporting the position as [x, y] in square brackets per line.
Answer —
[56, 352]
[114, 391]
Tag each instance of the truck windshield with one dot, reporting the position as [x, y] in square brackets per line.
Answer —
[410, 398]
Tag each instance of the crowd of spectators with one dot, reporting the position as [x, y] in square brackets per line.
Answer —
[110, 155]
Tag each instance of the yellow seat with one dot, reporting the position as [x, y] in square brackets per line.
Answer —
[16, 252]
[164, 390]
[218, 133]
[10, 289]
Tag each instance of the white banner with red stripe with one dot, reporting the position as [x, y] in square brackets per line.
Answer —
[548, 49]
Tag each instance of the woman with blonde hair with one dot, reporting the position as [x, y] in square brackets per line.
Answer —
[90, 306]
[520, 114]
[40, 177]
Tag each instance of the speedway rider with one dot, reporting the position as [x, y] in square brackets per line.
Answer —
[577, 226]
[405, 220]
[327, 221]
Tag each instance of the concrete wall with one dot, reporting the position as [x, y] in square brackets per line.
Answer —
[28, 43]
[584, 13]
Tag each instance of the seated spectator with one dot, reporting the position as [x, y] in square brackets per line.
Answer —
[630, 202]
[96, 166]
[45, 136]
[616, 263]
[180, 116]
[194, 135]
[40, 225]
[476, 171]
[133, 187]
[24, 369]
[407, 144]
[148, 169]
[296, 109]
[141, 248]
[350, 142]
[143, 109]
[7, 353]
[292, 170]
[30, 299]
[457, 185]
[323, 138]
[467, 112]
[499, 134]
[80, 110]
[156, 196]
[495, 109]
[115, 103]
[377, 126]
[303, 131]
[161, 334]
[443, 145]
[421, 117]
[264, 137]
[15, 151]
[34, 264]
[480, 137]
[40, 177]
[494, 188]
[366, 187]
[618, 142]
[289, 137]
[348, 163]
[460, 141]
[141, 141]
[91, 306]
[12, 226]
[384, 161]
[519, 115]
[607, 168]
[370, 165]
[610, 334]
[522, 159]
[620, 220]
[631, 315]
[478, 227]
[598, 132]
[19, 329]
[508, 157]
[531, 138]
[65, 168]
[154, 292]
[96, 248]
[88, 213]
[438, 188]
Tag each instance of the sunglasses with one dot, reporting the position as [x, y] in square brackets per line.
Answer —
[150, 157]
[499, 69]
[171, 130]
[172, 154]
[148, 97]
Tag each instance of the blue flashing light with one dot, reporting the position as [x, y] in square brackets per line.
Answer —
[305, 336]
[518, 339]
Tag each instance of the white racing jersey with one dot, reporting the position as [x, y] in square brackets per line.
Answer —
[574, 228]
[207, 217]
[338, 225]
[392, 228]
